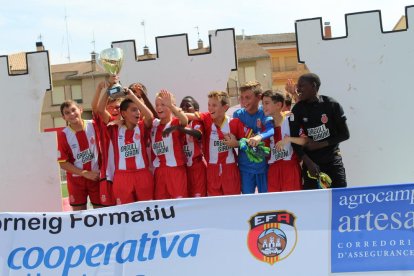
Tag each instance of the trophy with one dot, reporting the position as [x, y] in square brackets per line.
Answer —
[111, 60]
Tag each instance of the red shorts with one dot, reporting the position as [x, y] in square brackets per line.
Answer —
[223, 179]
[107, 194]
[197, 179]
[170, 182]
[284, 176]
[79, 188]
[132, 186]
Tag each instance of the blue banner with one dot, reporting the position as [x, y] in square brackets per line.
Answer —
[373, 228]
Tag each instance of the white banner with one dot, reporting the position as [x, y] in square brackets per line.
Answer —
[268, 234]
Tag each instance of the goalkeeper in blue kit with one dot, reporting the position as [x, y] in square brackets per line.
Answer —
[252, 164]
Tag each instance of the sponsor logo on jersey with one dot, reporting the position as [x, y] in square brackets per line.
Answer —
[324, 119]
[279, 154]
[188, 153]
[272, 236]
[318, 133]
[221, 147]
[85, 156]
[129, 150]
[160, 148]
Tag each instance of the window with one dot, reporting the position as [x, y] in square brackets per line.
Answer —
[291, 63]
[249, 73]
[58, 95]
[59, 122]
[76, 93]
[275, 65]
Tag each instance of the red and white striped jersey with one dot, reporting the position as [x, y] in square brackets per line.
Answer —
[193, 146]
[167, 151]
[215, 151]
[126, 148]
[287, 152]
[81, 148]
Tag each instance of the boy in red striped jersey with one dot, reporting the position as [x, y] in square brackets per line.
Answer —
[284, 172]
[196, 164]
[78, 149]
[112, 113]
[168, 157]
[127, 158]
[223, 176]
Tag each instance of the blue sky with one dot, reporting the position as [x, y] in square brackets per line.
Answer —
[21, 22]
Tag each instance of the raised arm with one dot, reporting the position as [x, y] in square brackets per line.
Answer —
[148, 117]
[139, 92]
[102, 85]
[178, 112]
[102, 112]
[290, 88]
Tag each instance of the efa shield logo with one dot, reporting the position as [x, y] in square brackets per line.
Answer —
[272, 236]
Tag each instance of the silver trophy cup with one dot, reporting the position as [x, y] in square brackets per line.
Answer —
[111, 61]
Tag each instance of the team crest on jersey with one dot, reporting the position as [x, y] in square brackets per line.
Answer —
[92, 140]
[137, 136]
[324, 119]
[272, 236]
[305, 120]
[258, 123]
[292, 117]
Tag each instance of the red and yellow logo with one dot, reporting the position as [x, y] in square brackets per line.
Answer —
[272, 236]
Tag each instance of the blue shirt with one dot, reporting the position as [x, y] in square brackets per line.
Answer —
[260, 124]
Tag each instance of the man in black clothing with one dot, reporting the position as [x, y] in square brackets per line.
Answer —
[323, 121]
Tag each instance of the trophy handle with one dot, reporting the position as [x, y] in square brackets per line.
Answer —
[98, 61]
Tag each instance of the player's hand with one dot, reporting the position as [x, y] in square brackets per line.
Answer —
[112, 79]
[230, 140]
[91, 175]
[290, 87]
[103, 85]
[313, 168]
[254, 141]
[137, 90]
[166, 98]
[282, 143]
